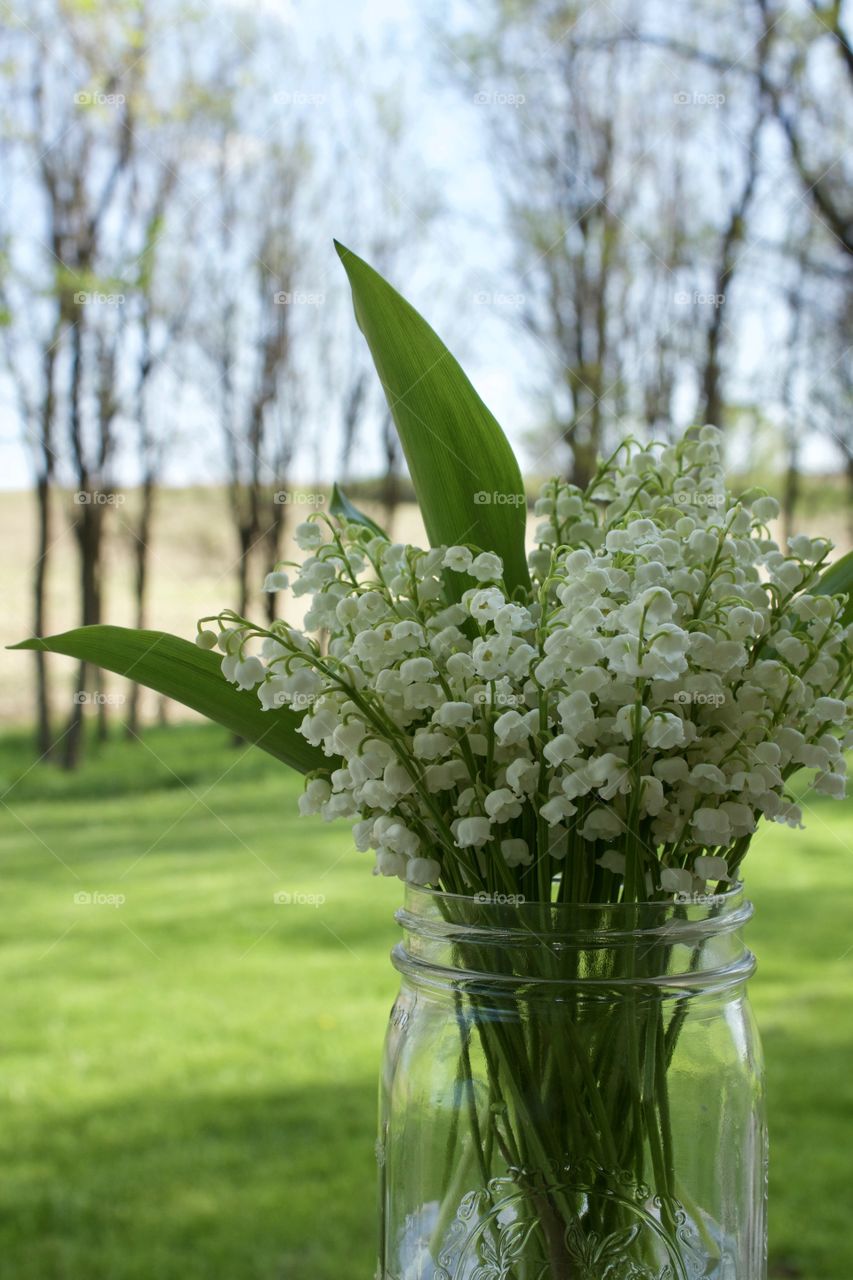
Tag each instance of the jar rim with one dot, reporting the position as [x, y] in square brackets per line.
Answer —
[735, 890]
[458, 938]
[431, 913]
[697, 905]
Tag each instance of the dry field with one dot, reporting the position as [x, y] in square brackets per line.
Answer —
[192, 573]
[193, 557]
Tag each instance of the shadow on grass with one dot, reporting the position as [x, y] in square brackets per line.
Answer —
[235, 1185]
[165, 759]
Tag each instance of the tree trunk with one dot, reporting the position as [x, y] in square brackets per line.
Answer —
[89, 541]
[44, 486]
[140, 588]
[246, 534]
[584, 458]
[83, 498]
[391, 479]
[791, 488]
[390, 499]
[727, 264]
[44, 737]
[273, 535]
[245, 537]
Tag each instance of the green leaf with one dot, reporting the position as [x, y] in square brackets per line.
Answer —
[837, 580]
[465, 474]
[181, 670]
[341, 507]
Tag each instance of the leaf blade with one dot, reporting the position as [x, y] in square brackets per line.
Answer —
[465, 473]
[838, 580]
[345, 509]
[181, 670]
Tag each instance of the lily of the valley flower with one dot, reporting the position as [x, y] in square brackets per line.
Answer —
[666, 673]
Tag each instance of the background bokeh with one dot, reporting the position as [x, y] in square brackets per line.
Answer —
[623, 217]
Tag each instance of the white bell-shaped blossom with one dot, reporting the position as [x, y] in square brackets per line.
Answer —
[665, 674]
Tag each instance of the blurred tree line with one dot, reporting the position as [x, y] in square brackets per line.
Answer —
[675, 177]
[165, 177]
[675, 192]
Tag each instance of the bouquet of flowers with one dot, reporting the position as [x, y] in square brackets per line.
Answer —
[628, 717]
[604, 720]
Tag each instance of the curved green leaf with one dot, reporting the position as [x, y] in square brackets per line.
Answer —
[341, 506]
[465, 474]
[181, 670]
[837, 580]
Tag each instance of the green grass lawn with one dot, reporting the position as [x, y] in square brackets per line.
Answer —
[188, 1078]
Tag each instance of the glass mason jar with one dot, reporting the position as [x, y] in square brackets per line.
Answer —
[572, 1093]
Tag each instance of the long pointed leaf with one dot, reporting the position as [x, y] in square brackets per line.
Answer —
[838, 580]
[464, 471]
[345, 509]
[183, 671]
